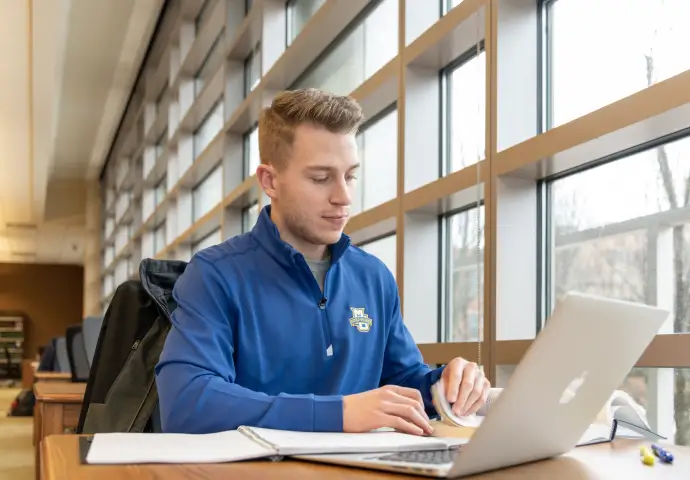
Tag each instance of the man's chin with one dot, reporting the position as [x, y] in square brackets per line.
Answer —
[328, 238]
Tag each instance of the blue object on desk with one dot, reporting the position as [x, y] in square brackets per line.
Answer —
[663, 455]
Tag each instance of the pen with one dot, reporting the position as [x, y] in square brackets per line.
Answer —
[664, 455]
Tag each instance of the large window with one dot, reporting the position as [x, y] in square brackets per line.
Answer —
[378, 152]
[209, 65]
[250, 215]
[298, 14]
[208, 129]
[383, 248]
[159, 192]
[251, 152]
[159, 238]
[464, 275]
[630, 240]
[252, 70]
[213, 238]
[207, 194]
[358, 54]
[464, 110]
[605, 232]
[628, 46]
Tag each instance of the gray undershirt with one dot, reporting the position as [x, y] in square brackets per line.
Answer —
[319, 269]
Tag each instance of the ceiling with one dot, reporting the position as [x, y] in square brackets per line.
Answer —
[67, 69]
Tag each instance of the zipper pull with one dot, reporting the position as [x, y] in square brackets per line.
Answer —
[135, 344]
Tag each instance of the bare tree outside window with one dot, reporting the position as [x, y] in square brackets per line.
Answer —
[595, 251]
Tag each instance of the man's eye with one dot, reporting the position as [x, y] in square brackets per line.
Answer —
[351, 178]
[319, 180]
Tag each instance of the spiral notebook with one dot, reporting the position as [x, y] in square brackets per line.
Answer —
[247, 443]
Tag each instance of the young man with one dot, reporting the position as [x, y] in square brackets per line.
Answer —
[290, 326]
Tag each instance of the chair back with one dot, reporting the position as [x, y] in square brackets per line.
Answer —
[76, 353]
[62, 356]
[91, 329]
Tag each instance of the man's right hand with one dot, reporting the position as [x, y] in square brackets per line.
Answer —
[390, 406]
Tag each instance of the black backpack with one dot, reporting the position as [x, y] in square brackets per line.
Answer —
[23, 404]
[121, 393]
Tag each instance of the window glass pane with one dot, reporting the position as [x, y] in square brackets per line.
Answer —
[252, 70]
[251, 152]
[355, 58]
[644, 44]
[466, 99]
[210, 65]
[207, 194]
[384, 249]
[159, 192]
[378, 151]
[450, 4]
[159, 238]
[249, 217]
[661, 393]
[465, 276]
[161, 144]
[299, 13]
[210, 240]
[208, 129]
[626, 239]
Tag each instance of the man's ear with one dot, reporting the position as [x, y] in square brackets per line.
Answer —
[266, 175]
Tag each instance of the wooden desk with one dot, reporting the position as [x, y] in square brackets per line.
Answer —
[58, 405]
[618, 460]
[28, 372]
[53, 377]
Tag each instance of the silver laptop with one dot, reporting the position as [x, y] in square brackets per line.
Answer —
[582, 355]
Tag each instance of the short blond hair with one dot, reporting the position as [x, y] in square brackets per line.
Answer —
[277, 123]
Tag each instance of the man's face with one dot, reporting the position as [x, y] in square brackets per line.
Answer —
[314, 189]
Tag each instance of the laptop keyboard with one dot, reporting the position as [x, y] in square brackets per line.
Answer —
[436, 457]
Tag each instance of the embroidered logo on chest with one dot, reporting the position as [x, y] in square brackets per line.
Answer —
[360, 320]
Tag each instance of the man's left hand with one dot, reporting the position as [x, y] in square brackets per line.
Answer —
[465, 385]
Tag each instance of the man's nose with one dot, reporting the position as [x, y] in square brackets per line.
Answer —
[341, 194]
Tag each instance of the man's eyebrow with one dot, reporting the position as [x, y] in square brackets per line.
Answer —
[325, 168]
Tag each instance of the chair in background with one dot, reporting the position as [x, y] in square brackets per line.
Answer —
[76, 353]
[48, 361]
[61, 356]
[91, 329]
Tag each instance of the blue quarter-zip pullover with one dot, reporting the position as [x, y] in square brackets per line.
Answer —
[255, 341]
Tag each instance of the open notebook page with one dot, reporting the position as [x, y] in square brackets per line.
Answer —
[134, 448]
[308, 443]
[596, 433]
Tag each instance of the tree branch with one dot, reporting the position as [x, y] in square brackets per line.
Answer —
[661, 155]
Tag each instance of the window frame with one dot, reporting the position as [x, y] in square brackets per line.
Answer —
[545, 26]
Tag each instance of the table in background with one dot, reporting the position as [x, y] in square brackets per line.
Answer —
[619, 459]
[52, 377]
[58, 405]
[28, 372]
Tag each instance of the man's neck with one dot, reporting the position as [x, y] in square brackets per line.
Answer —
[309, 250]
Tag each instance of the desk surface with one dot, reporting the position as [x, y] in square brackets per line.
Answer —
[60, 460]
[48, 376]
[61, 392]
